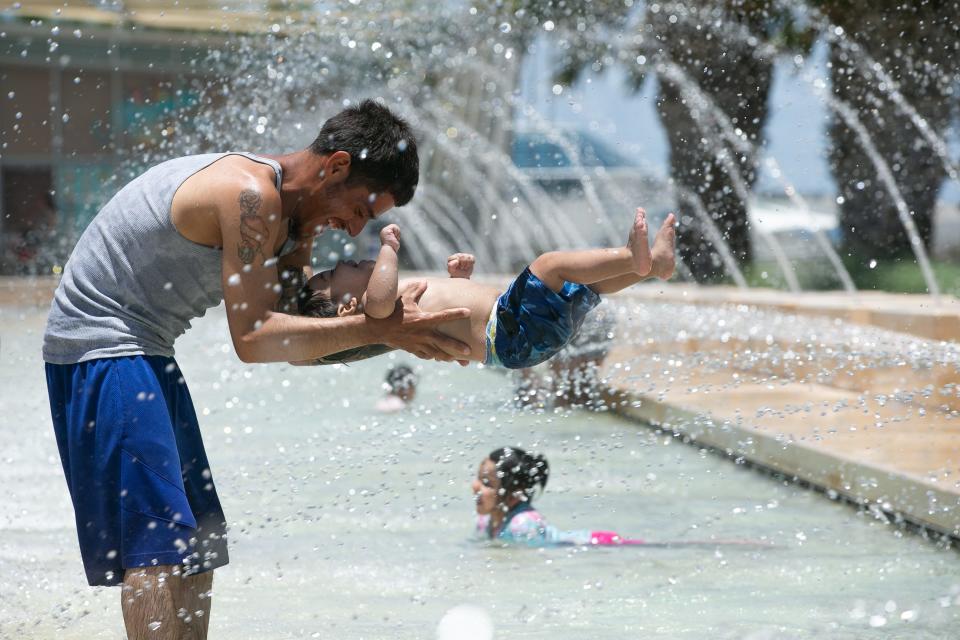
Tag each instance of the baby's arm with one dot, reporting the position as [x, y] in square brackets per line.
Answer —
[460, 265]
[380, 299]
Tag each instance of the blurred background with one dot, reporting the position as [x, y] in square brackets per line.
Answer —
[806, 145]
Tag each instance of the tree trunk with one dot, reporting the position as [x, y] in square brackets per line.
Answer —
[916, 45]
[726, 69]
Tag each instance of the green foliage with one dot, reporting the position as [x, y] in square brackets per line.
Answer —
[813, 275]
[904, 276]
[894, 276]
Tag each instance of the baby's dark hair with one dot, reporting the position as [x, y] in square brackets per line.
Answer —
[317, 304]
[519, 471]
[314, 303]
[400, 378]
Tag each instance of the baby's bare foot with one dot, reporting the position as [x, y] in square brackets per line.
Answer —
[638, 244]
[664, 247]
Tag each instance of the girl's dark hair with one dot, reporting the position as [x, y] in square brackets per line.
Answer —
[382, 148]
[519, 471]
[401, 378]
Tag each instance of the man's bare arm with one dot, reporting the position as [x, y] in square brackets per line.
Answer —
[249, 217]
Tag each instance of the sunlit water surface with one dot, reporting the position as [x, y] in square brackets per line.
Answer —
[349, 524]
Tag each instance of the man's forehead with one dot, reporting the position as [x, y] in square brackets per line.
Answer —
[378, 202]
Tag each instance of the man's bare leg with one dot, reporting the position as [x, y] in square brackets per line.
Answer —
[160, 604]
[595, 265]
[662, 261]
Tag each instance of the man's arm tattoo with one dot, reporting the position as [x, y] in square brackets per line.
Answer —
[253, 229]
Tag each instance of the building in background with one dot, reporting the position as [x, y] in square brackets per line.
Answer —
[85, 89]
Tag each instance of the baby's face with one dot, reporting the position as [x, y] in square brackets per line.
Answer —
[485, 487]
[347, 280]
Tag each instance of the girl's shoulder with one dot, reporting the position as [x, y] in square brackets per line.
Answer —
[525, 525]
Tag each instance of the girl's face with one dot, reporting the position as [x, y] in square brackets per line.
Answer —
[485, 487]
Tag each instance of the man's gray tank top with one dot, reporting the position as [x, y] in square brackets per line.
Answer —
[133, 283]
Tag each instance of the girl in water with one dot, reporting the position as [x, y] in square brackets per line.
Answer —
[504, 488]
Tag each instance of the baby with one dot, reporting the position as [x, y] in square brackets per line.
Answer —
[538, 314]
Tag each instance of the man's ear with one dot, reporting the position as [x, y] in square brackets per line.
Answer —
[336, 167]
[349, 308]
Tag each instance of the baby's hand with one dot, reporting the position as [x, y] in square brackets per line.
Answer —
[390, 237]
[460, 265]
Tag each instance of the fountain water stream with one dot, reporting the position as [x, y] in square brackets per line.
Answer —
[380, 505]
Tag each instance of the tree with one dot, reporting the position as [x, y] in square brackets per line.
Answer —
[715, 45]
[918, 46]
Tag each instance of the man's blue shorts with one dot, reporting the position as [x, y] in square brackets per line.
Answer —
[531, 322]
[135, 466]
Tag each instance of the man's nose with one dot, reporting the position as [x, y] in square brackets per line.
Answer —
[355, 227]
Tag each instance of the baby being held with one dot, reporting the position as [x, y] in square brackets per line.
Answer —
[538, 314]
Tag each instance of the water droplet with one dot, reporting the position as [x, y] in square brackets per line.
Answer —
[465, 622]
[153, 626]
[234, 279]
[548, 25]
[873, 264]
[505, 27]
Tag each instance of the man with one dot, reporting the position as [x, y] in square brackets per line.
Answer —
[168, 246]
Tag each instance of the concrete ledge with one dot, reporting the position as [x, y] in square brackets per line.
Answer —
[919, 315]
[883, 433]
[27, 291]
[915, 500]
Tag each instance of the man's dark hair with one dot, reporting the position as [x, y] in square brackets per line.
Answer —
[382, 148]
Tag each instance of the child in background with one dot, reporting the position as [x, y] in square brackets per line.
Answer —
[538, 314]
[401, 385]
[504, 488]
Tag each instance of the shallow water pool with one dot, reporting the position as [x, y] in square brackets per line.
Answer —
[349, 524]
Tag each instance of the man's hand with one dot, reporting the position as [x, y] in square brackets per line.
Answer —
[460, 265]
[413, 330]
[390, 237]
